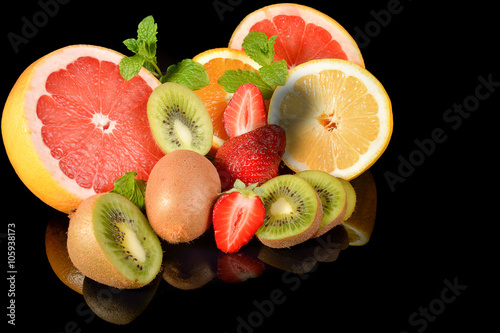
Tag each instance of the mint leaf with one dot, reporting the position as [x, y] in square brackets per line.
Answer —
[131, 188]
[147, 30]
[260, 48]
[274, 74]
[132, 44]
[130, 66]
[187, 72]
[232, 79]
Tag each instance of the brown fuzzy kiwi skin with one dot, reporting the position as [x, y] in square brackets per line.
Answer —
[302, 237]
[181, 191]
[85, 252]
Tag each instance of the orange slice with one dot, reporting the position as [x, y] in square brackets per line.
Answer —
[337, 117]
[216, 62]
[72, 125]
[303, 33]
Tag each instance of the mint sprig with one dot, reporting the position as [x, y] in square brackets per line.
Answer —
[131, 188]
[187, 72]
[272, 73]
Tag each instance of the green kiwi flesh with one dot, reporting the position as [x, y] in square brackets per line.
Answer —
[293, 211]
[351, 198]
[179, 119]
[332, 195]
[126, 238]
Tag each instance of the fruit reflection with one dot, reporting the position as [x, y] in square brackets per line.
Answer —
[360, 225]
[190, 265]
[57, 253]
[303, 257]
[118, 306]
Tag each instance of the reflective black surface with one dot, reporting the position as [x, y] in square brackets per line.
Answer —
[429, 266]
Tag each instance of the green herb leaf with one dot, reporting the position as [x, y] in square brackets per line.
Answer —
[232, 79]
[187, 72]
[274, 74]
[131, 188]
[144, 48]
[260, 48]
[130, 66]
[132, 44]
[147, 30]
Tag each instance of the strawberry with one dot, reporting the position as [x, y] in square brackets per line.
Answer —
[238, 267]
[245, 111]
[253, 157]
[236, 216]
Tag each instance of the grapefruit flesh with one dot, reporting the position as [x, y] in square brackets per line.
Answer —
[303, 34]
[72, 125]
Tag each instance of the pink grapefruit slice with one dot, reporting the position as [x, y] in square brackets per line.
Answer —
[72, 125]
[303, 33]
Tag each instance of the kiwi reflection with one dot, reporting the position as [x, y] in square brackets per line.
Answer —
[118, 306]
[303, 257]
[190, 265]
[57, 253]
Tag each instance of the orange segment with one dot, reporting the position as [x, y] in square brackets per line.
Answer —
[337, 117]
[216, 62]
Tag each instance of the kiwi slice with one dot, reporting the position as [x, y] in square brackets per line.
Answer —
[333, 198]
[126, 238]
[293, 211]
[179, 119]
[351, 198]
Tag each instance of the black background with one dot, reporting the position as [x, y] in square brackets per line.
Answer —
[439, 224]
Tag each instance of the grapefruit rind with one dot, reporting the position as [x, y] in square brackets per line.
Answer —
[21, 128]
[375, 88]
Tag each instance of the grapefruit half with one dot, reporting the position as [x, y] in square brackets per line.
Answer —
[72, 125]
[303, 33]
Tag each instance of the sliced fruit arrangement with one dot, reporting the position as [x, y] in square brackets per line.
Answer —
[303, 34]
[136, 155]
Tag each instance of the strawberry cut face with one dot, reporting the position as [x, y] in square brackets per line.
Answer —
[245, 112]
[236, 217]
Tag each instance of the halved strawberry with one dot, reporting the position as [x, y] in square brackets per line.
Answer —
[236, 216]
[245, 111]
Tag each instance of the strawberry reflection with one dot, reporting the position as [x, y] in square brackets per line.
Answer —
[238, 267]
